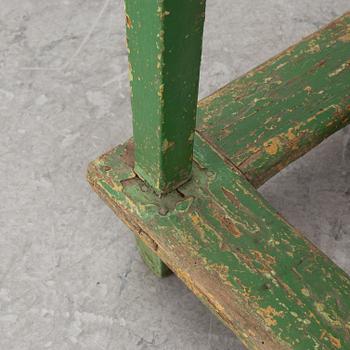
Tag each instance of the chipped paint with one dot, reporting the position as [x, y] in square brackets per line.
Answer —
[131, 78]
[335, 342]
[296, 301]
[216, 232]
[345, 38]
[268, 314]
[160, 93]
[167, 145]
[272, 146]
[290, 135]
[314, 47]
[308, 89]
[156, 44]
[128, 22]
[305, 292]
[344, 66]
[280, 110]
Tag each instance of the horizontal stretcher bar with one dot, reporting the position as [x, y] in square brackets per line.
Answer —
[277, 112]
[258, 274]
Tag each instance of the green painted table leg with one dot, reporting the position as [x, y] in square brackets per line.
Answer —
[152, 260]
[165, 42]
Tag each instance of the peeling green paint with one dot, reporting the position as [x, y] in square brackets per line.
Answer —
[164, 42]
[269, 284]
[280, 110]
[260, 276]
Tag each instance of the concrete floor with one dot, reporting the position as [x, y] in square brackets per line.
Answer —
[70, 275]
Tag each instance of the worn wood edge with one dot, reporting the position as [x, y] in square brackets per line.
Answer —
[260, 339]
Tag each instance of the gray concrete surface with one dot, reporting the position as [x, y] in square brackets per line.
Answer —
[70, 275]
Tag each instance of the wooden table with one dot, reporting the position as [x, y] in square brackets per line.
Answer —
[189, 192]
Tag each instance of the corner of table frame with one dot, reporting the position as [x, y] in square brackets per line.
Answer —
[257, 273]
[260, 276]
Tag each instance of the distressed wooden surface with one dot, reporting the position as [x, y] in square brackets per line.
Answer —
[260, 276]
[165, 43]
[277, 112]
